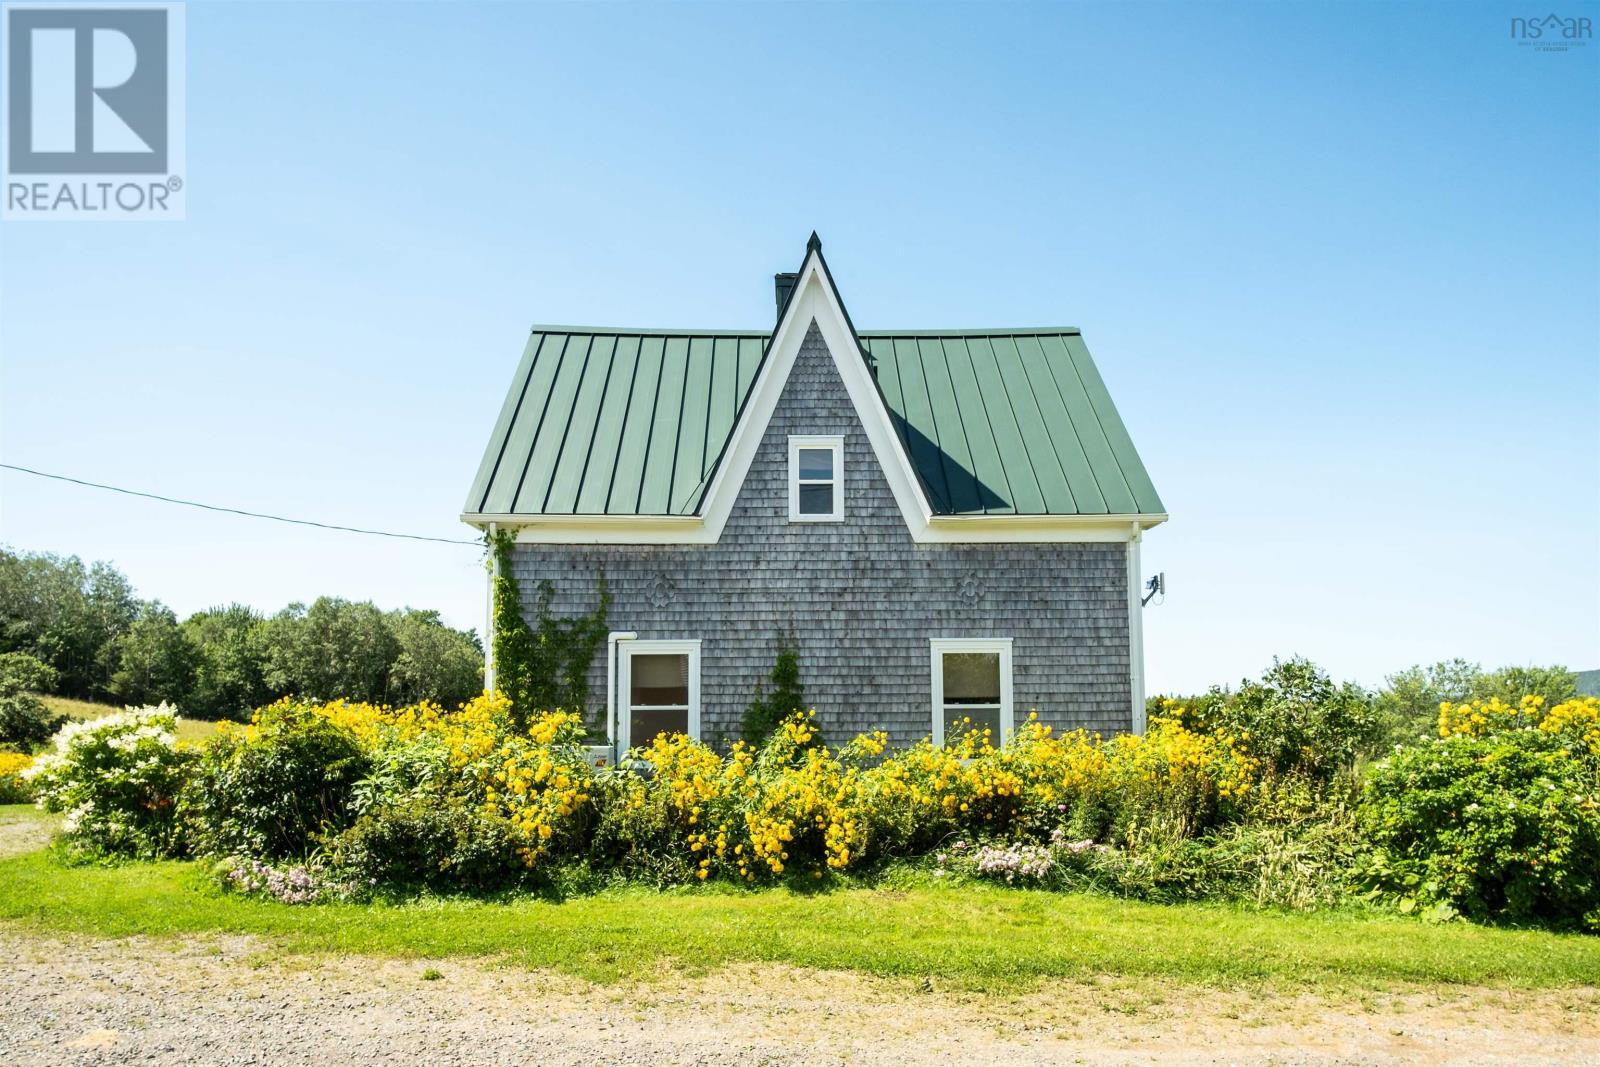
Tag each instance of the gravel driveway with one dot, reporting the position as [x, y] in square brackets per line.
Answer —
[232, 1001]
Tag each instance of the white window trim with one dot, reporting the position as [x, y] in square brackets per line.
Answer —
[630, 649]
[938, 646]
[833, 442]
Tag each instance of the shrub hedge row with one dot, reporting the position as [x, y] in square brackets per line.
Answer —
[1497, 819]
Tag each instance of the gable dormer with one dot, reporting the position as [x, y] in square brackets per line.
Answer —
[646, 437]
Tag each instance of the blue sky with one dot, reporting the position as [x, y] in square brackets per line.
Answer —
[1339, 264]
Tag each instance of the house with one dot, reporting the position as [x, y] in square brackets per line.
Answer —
[944, 524]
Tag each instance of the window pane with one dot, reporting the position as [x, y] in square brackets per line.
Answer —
[982, 719]
[816, 500]
[644, 726]
[816, 463]
[658, 679]
[972, 677]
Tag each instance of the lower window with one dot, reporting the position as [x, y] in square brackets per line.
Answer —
[971, 688]
[662, 683]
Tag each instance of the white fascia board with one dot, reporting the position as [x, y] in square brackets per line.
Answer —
[814, 300]
[600, 529]
[1063, 529]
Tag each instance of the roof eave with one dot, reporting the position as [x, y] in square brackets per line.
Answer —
[694, 529]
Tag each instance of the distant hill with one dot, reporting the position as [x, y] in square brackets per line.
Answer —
[1589, 683]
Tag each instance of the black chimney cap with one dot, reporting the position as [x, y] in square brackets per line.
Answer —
[783, 285]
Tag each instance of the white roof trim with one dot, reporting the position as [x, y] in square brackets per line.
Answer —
[814, 299]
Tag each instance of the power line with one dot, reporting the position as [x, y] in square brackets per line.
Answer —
[238, 511]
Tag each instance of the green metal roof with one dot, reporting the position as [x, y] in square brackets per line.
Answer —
[633, 422]
[1009, 423]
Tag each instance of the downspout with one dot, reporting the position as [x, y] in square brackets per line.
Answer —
[488, 616]
[1136, 629]
[612, 640]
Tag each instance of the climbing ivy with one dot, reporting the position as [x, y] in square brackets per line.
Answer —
[788, 696]
[544, 665]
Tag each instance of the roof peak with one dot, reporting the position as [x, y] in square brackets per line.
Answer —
[652, 331]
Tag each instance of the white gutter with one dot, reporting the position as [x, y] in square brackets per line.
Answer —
[488, 616]
[1136, 629]
[612, 640]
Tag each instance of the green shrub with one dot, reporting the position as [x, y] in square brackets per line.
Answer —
[25, 722]
[1504, 826]
[428, 844]
[273, 790]
[1295, 719]
[1407, 707]
[788, 696]
[22, 673]
[118, 780]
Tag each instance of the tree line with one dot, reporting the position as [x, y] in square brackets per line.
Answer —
[106, 644]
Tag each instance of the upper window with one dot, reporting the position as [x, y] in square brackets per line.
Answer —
[662, 680]
[816, 479]
[971, 688]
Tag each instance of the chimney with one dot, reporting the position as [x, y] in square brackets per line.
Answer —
[784, 285]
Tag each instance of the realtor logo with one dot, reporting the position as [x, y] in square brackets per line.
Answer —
[94, 111]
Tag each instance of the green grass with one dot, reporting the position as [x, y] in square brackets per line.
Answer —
[977, 936]
[188, 729]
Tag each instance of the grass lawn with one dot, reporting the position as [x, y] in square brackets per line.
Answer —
[977, 936]
[188, 729]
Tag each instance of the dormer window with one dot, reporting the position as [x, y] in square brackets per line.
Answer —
[816, 478]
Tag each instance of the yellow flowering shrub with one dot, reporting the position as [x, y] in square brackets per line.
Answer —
[797, 806]
[14, 788]
[678, 809]
[536, 778]
[1039, 776]
[1576, 720]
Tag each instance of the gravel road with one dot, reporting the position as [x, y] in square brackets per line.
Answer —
[233, 1001]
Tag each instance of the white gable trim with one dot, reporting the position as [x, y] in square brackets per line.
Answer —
[816, 300]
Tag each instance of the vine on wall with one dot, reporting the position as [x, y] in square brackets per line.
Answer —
[543, 665]
[768, 710]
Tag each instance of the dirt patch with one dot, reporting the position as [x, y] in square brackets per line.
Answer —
[221, 999]
[25, 830]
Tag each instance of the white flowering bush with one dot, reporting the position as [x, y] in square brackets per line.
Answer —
[117, 779]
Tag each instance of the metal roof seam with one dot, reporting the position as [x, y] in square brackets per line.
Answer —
[649, 436]
[677, 440]
[1005, 396]
[902, 424]
[966, 441]
[988, 420]
[505, 442]
[533, 441]
[705, 444]
[933, 420]
[1101, 426]
[1055, 449]
[622, 427]
[594, 432]
[755, 376]
[1094, 476]
[566, 428]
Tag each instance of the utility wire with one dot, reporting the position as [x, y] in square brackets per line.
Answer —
[238, 511]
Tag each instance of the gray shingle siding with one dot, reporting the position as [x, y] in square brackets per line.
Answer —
[860, 598]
